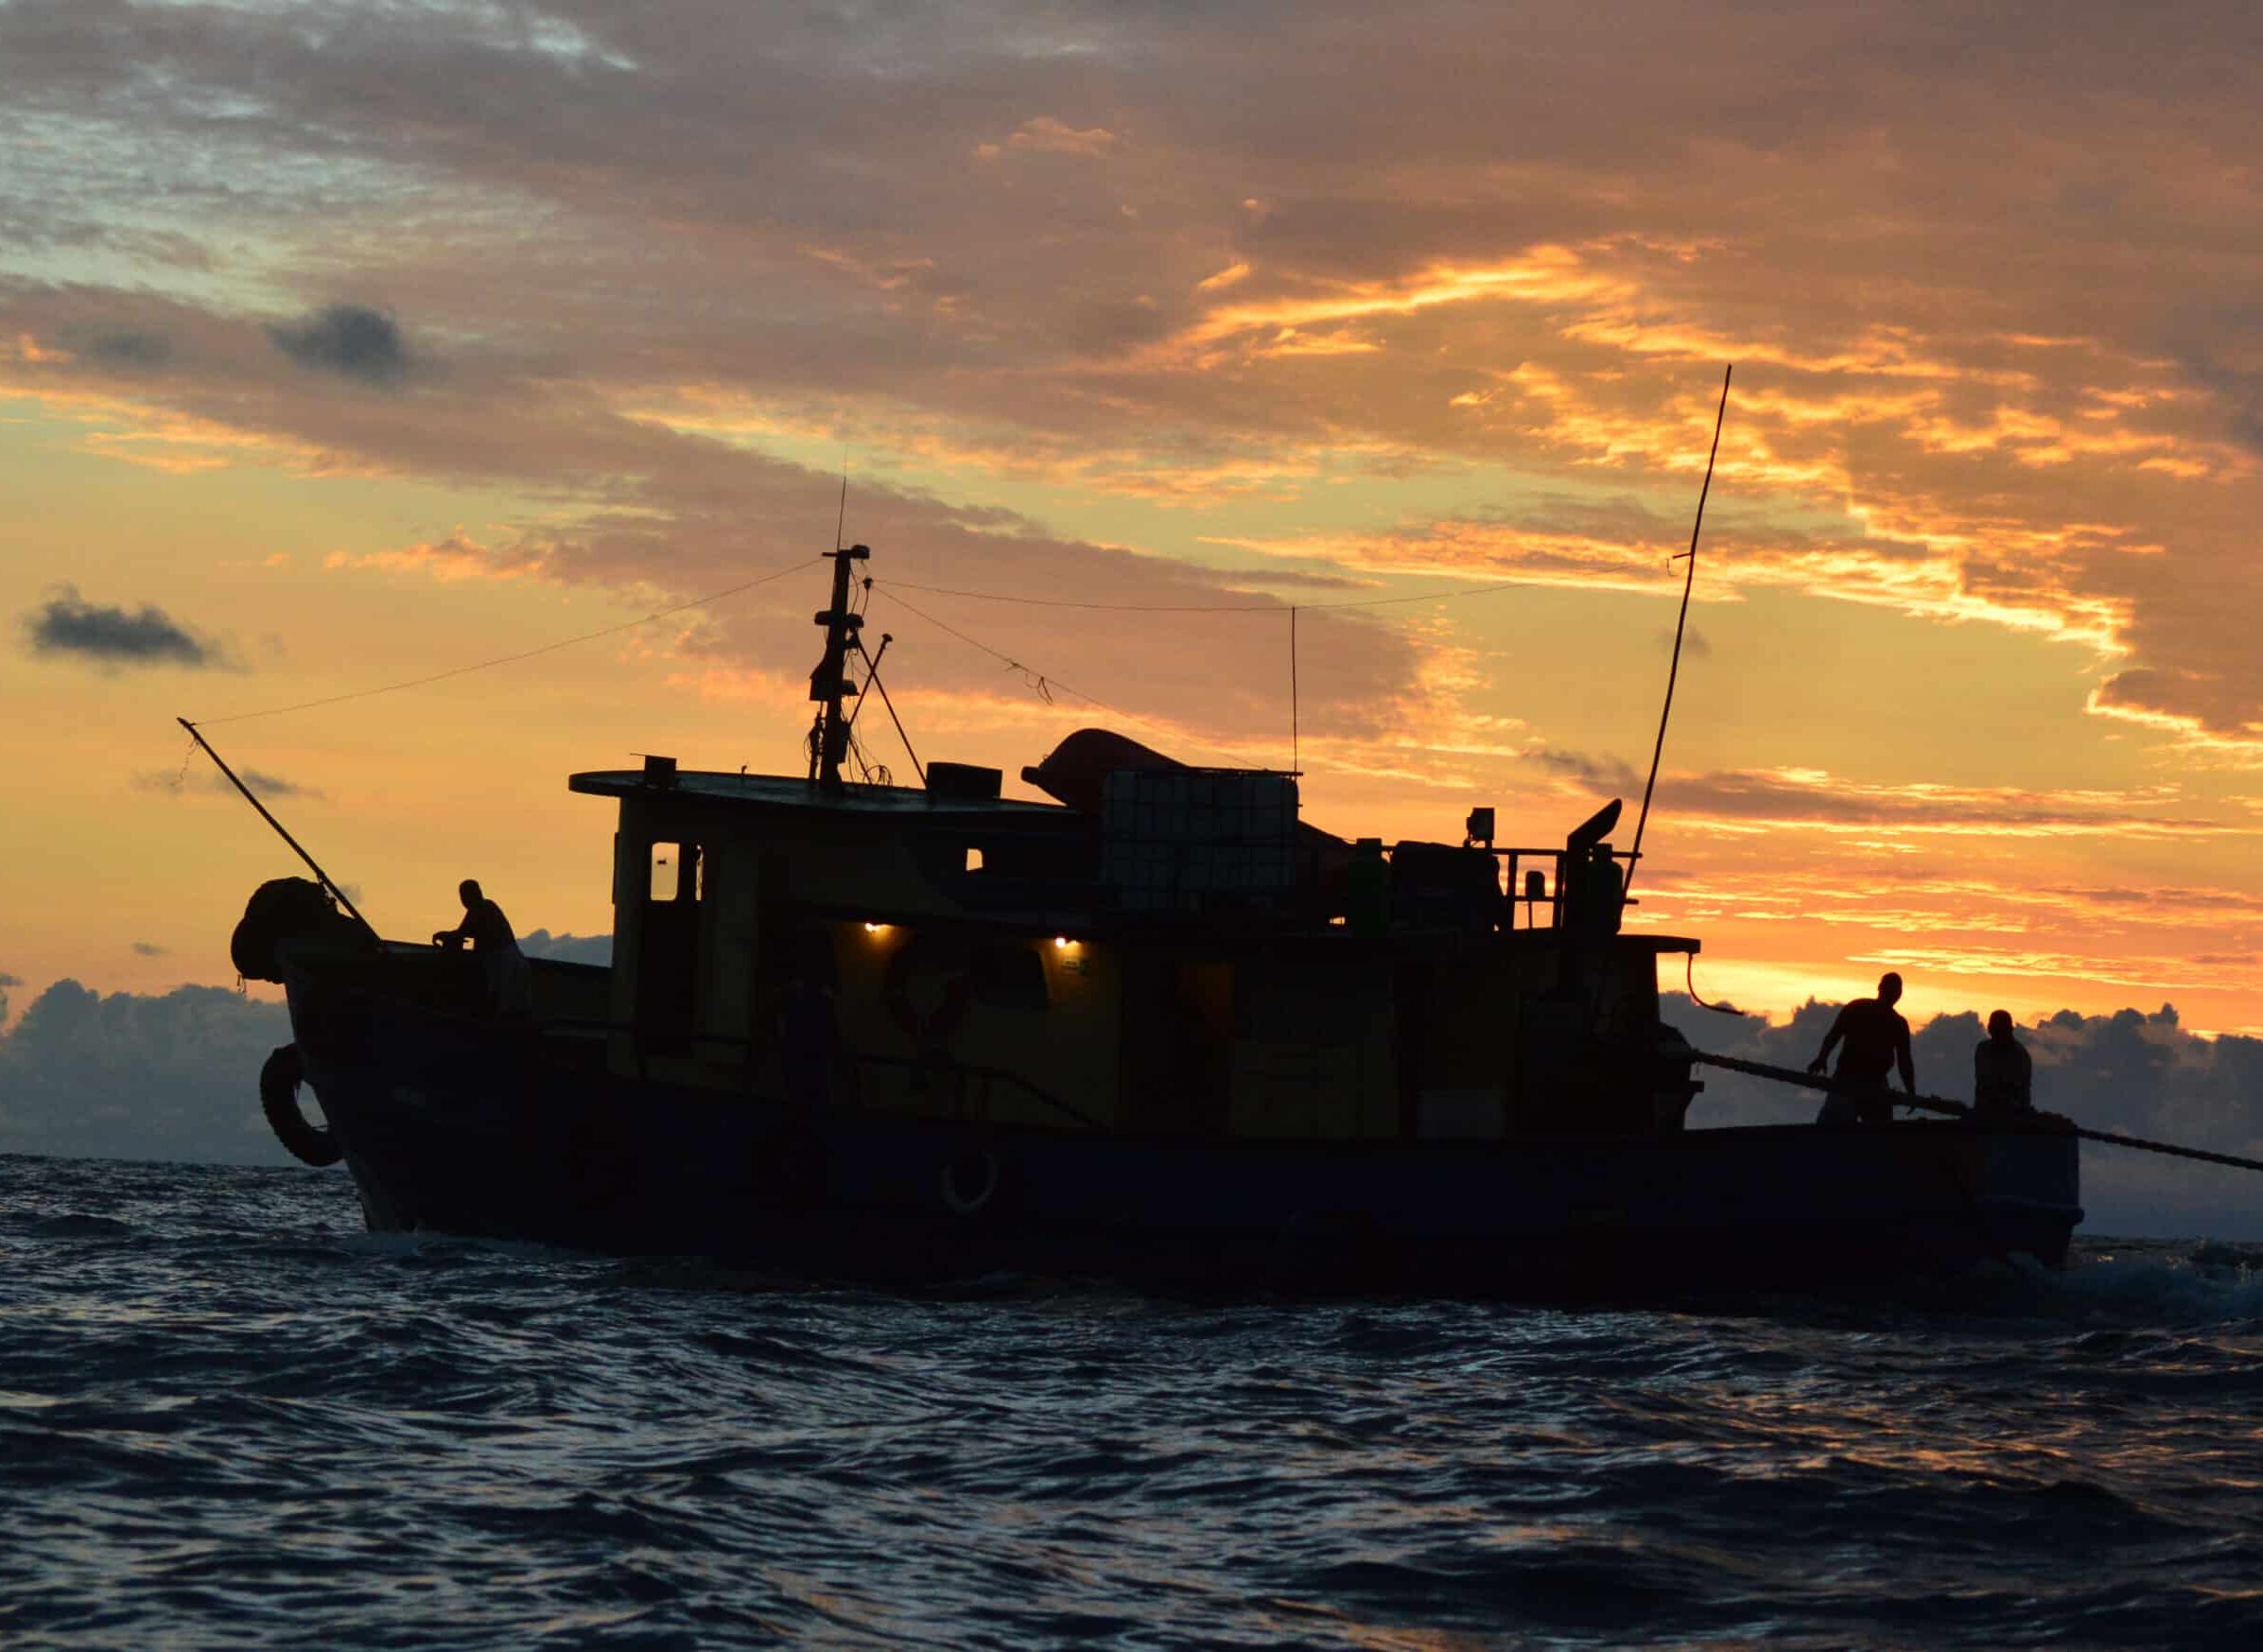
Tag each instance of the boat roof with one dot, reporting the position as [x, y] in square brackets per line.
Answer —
[784, 792]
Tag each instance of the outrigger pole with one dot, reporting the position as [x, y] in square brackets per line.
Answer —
[1958, 1110]
[321, 876]
[1674, 670]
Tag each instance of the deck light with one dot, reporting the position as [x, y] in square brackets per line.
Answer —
[1062, 943]
[875, 928]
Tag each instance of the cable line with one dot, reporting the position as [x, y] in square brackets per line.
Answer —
[1275, 607]
[1044, 685]
[794, 566]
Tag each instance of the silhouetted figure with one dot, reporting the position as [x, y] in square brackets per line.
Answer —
[1602, 892]
[1876, 1041]
[1591, 900]
[510, 982]
[2003, 1072]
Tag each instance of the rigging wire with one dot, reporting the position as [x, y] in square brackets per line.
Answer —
[872, 680]
[1204, 607]
[794, 566]
[1044, 685]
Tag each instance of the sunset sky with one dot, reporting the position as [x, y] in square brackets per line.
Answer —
[341, 345]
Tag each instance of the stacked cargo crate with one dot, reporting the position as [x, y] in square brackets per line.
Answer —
[1198, 840]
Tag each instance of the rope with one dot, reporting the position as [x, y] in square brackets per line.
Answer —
[781, 573]
[1689, 979]
[1203, 607]
[1959, 1109]
[1045, 684]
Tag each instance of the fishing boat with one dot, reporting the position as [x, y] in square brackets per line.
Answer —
[1149, 1025]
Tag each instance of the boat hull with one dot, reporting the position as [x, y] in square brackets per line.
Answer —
[479, 1130]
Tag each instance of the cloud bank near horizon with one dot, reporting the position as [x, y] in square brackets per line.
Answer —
[175, 1076]
[2132, 1072]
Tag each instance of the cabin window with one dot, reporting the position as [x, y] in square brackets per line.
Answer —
[974, 858]
[678, 873]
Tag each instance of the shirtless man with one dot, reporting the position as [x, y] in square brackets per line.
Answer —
[1876, 1041]
[510, 982]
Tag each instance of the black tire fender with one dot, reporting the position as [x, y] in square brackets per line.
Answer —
[279, 1079]
[973, 1182]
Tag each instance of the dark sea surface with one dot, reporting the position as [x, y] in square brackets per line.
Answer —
[229, 1417]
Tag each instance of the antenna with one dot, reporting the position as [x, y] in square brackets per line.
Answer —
[1295, 744]
[1674, 670]
[841, 521]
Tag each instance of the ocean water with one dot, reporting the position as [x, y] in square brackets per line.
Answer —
[229, 1418]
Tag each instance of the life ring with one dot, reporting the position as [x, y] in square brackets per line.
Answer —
[972, 1182]
[279, 1081]
[931, 1029]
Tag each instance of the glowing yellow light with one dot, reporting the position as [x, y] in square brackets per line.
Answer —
[1063, 943]
[875, 928]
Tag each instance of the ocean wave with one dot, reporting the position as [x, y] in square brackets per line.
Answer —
[229, 1417]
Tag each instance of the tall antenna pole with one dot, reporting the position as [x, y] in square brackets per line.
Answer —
[1296, 741]
[829, 682]
[1674, 670]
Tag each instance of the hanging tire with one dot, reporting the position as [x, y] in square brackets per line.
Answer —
[972, 1182]
[279, 1081]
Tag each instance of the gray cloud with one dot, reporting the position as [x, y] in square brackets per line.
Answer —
[130, 347]
[68, 624]
[1792, 796]
[568, 949]
[7, 979]
[150, 950]
[267, 785]
[1603, 775]
[205, 780]
[139, 1076]
[351, 340]
[2130, 1072]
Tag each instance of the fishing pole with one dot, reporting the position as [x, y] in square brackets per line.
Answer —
[322, 876]
[1959, 1109]
[1674, 670]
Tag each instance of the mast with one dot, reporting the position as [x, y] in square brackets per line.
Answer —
[829, 682]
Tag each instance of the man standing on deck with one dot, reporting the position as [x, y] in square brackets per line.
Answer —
[510, 983]
[1876, 1041]
[2003, 1072]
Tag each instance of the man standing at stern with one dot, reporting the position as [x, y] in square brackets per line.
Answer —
[1876, 1039]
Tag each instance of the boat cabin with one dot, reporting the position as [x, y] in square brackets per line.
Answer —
[1165, 951]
